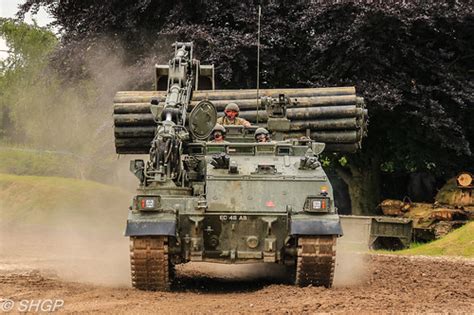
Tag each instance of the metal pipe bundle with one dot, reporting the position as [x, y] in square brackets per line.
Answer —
[213, 95]
[335, 116]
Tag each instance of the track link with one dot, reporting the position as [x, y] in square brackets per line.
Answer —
[316, 260]
[150, 265]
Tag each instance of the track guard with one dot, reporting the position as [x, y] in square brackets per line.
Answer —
[140, 224]
[315, 227]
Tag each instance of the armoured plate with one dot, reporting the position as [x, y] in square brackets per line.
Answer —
[239, 236]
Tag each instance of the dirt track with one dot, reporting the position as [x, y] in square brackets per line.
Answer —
[391, 284]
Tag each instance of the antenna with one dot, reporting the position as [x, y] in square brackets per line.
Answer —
[258, 56]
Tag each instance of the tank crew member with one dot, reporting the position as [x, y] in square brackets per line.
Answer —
[231, 112]
[262, 135]
[218, 134]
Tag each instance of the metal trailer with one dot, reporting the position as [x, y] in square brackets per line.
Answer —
[375, 232]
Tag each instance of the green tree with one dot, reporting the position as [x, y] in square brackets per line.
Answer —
[29, 48]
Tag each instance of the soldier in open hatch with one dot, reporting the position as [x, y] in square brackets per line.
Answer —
[231, 112]
[218, 134]
[262, 135]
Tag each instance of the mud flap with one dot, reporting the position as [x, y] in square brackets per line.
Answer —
[315, 227]
[140, 223]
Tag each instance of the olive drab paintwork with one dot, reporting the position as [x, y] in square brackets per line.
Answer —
[269, 181]
[254, 190]
[236, 201]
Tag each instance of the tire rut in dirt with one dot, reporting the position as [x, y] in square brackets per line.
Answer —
[316, 260]
[150, 265]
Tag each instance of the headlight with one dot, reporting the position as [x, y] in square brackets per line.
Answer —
[147, 203]
[317, 204]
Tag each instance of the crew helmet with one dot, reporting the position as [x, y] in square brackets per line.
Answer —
[261, 131]
[232, 106]
[219, 127]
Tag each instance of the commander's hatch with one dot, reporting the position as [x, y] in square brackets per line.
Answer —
[202, 120]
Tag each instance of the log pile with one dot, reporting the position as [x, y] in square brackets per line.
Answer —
[335, 116]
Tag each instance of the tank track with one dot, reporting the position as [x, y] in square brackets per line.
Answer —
[316, 260]
[150, 265]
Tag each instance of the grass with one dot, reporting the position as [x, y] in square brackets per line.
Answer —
[459, 242]
[29, 161]
[24, 161]
[49, 200]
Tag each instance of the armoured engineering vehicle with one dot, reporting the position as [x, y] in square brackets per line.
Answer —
[453, 207]
[239, 201]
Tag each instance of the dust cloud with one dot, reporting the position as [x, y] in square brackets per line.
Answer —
[76, 234]
[351, 268]
[82, 245]
[71, 254]
[72, 113]
[92, 249]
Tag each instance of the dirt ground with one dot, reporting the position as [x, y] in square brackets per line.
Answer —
[370, 283]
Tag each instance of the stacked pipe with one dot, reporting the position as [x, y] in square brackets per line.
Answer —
[335, 116]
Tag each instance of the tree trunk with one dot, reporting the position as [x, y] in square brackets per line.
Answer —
[364, 186]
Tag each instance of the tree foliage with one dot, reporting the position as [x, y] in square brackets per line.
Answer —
[29, 44]
[29, 47]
